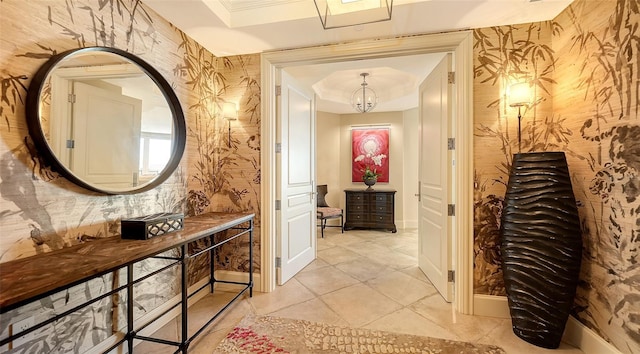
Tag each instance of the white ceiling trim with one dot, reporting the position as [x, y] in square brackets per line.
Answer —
[236, 27]
[242, 5]
[255, 26]
[241, 13]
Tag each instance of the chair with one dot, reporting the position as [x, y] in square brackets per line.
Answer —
[325, 212]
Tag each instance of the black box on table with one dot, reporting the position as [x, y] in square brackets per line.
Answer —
[146, 227]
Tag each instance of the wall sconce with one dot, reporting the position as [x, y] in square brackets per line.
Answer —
[230, 112]
[519, 95]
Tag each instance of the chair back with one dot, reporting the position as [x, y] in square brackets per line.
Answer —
[322, 192]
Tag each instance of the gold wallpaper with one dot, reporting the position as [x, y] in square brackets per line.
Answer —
[586, 73]
[41, 211]
[504, 55]
[584, 65]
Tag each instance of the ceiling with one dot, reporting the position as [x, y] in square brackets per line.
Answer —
[234, 27]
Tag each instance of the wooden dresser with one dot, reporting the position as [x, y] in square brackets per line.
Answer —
[370, 209]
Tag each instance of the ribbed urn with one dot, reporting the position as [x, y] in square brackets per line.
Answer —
[541, 246]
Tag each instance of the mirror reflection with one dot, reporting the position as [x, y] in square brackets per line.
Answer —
[106, 121]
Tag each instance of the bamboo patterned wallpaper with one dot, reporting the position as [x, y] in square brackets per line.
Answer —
[586, 73]
[584, 65]
[41, 211]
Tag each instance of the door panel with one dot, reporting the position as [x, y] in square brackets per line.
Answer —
[298, 132]
[298, 225]
[434, 239]
[296, 189]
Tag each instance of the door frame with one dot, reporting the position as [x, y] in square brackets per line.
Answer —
[461, 44]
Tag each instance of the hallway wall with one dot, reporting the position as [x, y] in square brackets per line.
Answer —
[585, 65]
[328, 153]
[334, 156]
[586, 73]
[41, 212]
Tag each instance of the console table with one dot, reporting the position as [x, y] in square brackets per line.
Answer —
[30, 279]
[370, 209]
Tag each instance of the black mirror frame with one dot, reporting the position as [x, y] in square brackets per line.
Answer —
[35, 129]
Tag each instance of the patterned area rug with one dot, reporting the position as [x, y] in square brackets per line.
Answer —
[266, 334]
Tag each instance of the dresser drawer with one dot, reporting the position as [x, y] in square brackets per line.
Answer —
[381, 218]
[357, 198]
[381, 208]
[358, 208]
[358, 217]
[381, 198]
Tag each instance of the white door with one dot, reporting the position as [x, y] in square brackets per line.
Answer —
[106, 134]
[296, 189]
[434, 241]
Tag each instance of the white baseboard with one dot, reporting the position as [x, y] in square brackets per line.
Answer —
[239, 277]
[580, 336]
[166, 318]
[575, 333]
[410, 224]
[153, 327]
[490, 306]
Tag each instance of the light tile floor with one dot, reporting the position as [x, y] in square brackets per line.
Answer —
[362, 279]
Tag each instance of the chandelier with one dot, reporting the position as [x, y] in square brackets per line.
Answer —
[364, 99]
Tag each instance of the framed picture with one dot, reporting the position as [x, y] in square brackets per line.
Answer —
[370, 149]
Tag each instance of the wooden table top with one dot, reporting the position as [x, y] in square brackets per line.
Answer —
[27, 279]
[373, 190]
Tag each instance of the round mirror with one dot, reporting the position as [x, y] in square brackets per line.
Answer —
[106, 120]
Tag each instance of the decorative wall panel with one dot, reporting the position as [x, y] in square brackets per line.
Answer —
[41, 211]
[585, 67]
[504, 55]
[598, 94]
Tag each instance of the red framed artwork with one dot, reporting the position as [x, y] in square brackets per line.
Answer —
[370, 148]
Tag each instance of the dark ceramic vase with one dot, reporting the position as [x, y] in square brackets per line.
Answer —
[370, 182]
[541, 246]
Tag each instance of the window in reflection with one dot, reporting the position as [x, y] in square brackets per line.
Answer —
[155, 152]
